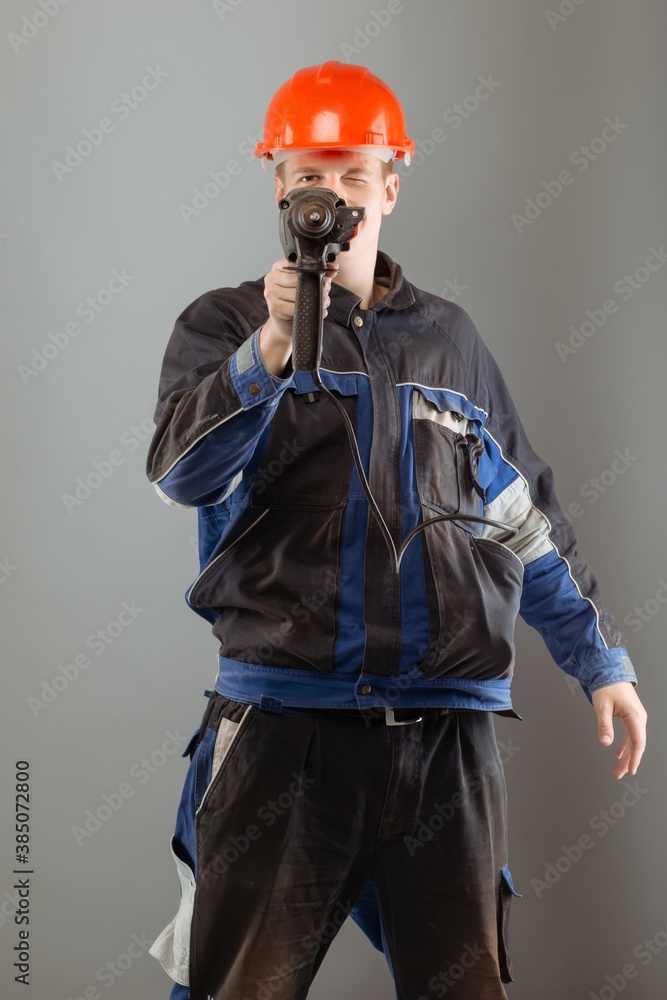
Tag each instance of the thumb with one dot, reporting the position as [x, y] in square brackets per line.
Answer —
[605, 726]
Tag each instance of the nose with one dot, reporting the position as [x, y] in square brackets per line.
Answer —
[333, 183]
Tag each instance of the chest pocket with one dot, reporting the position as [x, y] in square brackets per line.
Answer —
[307, 460]
[452, 466]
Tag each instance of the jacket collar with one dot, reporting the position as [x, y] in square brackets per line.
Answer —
[387, 272]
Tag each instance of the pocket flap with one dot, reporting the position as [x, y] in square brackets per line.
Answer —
[191, 742]
[344, 383]
[445, 400]
[486, 470]
[507, 877]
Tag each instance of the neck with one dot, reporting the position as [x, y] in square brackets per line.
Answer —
[358, 276]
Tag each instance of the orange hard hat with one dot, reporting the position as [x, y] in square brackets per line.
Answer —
[334, 106]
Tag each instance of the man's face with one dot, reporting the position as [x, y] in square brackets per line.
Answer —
[357, 178]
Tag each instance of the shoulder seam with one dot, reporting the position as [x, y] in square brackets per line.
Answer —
[419, 297]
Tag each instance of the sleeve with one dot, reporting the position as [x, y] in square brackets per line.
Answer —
[561, 597]
[216, 397]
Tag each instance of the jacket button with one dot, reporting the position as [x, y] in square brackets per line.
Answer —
[358, 321]
[366, 689]
[254, 389]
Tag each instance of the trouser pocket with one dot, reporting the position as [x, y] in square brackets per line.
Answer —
[506, 892]
[207, 749]
[172, 946]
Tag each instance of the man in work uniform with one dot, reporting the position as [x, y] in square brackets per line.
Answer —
[346, 762]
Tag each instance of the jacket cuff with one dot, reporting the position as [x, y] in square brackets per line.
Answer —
[609, 667]
[253, 382]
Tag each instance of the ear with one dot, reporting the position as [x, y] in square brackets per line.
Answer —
[390, 193]
[278, 188]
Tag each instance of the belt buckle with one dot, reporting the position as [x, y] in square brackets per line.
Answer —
[391, 721]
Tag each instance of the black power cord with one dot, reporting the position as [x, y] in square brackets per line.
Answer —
[397, 556]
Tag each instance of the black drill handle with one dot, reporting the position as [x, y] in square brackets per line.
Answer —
[307, 325]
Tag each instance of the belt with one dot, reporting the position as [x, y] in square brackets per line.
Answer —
[386, 715]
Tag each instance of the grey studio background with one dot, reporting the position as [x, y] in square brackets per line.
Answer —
[104, 666]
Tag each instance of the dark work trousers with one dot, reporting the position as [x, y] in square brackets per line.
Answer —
[290, 820]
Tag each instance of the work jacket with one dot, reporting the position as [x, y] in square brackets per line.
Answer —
[295, 576]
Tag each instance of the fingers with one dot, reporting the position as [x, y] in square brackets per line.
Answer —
[280, 293]
[326, 296]
[634, 743]
[623, 754]
[280, 285]
[280, 282]
[631, 750]
[620, 700]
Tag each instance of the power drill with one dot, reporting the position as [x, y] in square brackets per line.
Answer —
[315, 225]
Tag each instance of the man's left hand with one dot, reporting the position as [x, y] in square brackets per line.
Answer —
[621, 700]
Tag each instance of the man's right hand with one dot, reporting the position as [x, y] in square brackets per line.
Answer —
[275, 337]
